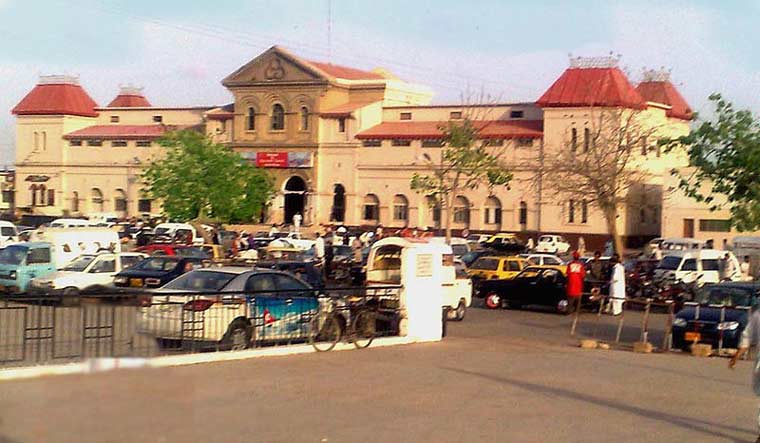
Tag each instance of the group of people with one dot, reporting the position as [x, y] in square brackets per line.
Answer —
[600, 275]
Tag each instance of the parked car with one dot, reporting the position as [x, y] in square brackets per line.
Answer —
[552, 244]
[283, 302]
[535, 285]
[504, 242]
[542, 259]
[88, 273]
[178, 232]
[293, 239]
[172, 249]
[8, 233]
[306, 270]
[470, 258]
[496, 268]
[156, 271]
[701, 265]
[707, 326]
[476, 239]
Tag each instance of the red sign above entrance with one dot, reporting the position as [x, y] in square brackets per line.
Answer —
[272, 159]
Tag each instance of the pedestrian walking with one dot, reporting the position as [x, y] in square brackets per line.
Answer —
[751, 337]
[576, 274]
[744, 269]
[297, 219]
[617, 285]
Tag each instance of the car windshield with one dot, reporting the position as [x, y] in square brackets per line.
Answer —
[486, 264]
[13, 255]
[725, 295]
[162, 231]
[80, 263]
[545, 239]
[670, 263]
[157, 264]
[200, 281]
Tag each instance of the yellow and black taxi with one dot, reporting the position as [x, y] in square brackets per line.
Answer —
[494, 267]
[535, 285]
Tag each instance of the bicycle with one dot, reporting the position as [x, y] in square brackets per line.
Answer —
[330, 325]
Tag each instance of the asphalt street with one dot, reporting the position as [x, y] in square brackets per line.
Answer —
[499, 376]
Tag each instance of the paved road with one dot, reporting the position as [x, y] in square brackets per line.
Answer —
[499, 376]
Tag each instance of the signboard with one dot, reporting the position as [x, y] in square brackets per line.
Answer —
[279, 159]
[424, 265]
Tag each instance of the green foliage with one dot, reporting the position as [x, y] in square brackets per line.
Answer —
[199, 179]
[725, 154]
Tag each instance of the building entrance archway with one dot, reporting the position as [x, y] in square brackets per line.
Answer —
[295, 198]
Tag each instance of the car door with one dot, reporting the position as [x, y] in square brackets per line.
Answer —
[299, 303]
[38, 263]
[102, 271]
[263, 305]
[548, 282]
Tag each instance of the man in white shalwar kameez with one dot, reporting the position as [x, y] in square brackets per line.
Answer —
[617, 285]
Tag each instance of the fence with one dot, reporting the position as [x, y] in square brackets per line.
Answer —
[43, 330]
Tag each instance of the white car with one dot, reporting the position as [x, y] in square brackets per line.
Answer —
[88, 272]
[542, 259]
[458, 297]
[295, 240]
[8, 233]
[552, 244]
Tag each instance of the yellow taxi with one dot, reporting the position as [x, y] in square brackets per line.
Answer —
[496, 267]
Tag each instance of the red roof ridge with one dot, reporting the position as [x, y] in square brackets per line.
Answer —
[57, 95]
[591, 86]
[664, 92]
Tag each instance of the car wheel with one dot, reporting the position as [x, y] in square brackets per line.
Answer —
[238, 336]
[564, 307]
[493, 300]
[460, 311]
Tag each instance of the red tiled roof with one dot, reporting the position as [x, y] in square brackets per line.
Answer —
[664, 92]
[430, 130]
[344, 110]
[119, 132]
[129, 101]
[344, 72]
[57, 99]
[578, 87]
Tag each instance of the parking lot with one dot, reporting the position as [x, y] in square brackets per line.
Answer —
[498, 376]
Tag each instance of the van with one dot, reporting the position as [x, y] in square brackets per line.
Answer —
[701, 265]
[176, 232]
[680, 244]
[69, 244]
[70, 223]
[8, 233]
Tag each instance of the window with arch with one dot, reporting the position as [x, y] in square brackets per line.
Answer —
[371, 207]
[461, 210]
[96, 198]
[304, 118]
[120, 200]
[523, 213]
[33, 194]
[75, 202]
[492, 211]
[434, 206]
[339, 203]
[400, 208]
[278, 117]
[250, 119]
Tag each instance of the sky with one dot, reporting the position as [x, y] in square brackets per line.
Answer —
[179, 51]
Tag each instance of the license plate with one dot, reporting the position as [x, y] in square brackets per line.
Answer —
[135, 282]
[692, 336]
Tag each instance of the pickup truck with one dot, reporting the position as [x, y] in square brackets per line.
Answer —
[88, 273]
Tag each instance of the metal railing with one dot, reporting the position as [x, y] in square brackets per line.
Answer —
[48, 329]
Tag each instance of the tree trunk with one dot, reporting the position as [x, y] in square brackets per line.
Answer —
[610, 215]
[448, 218]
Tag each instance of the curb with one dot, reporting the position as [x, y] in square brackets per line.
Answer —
[95, 365]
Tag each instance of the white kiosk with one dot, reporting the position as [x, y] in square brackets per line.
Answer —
[418, 266]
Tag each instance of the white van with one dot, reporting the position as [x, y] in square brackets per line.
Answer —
[8, 233]
[70, 223]
[680, 244]
[68, 244]
[688, 266]
[174, 230]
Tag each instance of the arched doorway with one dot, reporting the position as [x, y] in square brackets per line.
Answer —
[339, 204]
[295, 198]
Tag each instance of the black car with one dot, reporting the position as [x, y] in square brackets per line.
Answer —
[535, 285]
[701, 322]
[305, 270]
[156, 271]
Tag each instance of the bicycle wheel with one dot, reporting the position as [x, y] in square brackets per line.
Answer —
[365, 327]
[325, 331]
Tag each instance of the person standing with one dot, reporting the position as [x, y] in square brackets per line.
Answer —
[750, 337]
[297, 219]
[728, 269]
[617, 285]
[597, 268]
[581, 246]
[329, 253]
[356, 260]
[319, 248]
[576, 274]
[744, 268]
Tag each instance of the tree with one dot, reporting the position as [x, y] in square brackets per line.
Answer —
[466, 163]
[598, 165]
[724, 155]
[200, 179]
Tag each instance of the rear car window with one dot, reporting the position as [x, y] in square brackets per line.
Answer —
[512, 265]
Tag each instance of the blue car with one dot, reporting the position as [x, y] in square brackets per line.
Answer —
[234, 306]
[701, 322]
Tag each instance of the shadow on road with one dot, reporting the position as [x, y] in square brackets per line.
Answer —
[705, 427]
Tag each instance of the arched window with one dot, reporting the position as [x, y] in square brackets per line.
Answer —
[96, 199]
[304, 118]
[371, 207]
[41, 198]
[339, 204]
[75, 202]
[434, 206]
[492, 211]
[33, 190]
[523, 214]
[278, 117]
[461, 210]
[120, 200]
[250, 119]
[400, 208]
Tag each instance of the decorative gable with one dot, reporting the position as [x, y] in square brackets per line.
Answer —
[275, 65]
